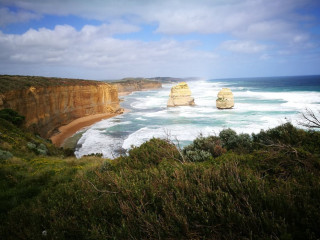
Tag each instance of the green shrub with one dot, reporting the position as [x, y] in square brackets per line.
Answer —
[285, 133]
[4, 155]
[232, 141]
[12, 116]
[229, 138]
[151, 152]
[244, 142]
[202, 148]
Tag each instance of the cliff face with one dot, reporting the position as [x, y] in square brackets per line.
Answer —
[225, 99]
[128, 86]
[47, 108]
[180, 95]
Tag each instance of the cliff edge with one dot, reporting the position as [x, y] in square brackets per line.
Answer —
[180, 95]
[48, 103]
[128, 85]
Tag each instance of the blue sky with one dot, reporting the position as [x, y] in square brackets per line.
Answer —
[111, 39]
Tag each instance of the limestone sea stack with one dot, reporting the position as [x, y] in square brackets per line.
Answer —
[180, 96]
[225, 99]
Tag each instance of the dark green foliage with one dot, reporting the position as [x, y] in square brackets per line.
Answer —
[244, 142]
[229, 138]
[203, 148]
[22, 143]
[92, 154]
[285, 133]
[4, 155]
[151, 153]
[12, 116]
[266, 187]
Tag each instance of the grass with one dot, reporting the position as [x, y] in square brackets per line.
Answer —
[264, 186]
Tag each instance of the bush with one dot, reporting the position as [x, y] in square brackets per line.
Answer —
[244, 142]
[151, 152]
[12, 116]
[229, 138]
[285, 133]
[202, 148]
[4, 155]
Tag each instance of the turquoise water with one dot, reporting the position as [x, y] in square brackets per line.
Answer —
[260, 103]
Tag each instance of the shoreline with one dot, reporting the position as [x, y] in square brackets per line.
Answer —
[68, 130]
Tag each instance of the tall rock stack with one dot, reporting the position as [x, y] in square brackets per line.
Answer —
[180, 96]
[225, 99]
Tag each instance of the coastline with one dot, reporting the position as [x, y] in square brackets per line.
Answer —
[66, 131]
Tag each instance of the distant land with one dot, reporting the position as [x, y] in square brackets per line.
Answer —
[159, 79]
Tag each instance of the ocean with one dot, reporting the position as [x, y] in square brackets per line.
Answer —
[260, 103]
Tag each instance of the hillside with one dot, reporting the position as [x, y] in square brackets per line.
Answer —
[263, 186]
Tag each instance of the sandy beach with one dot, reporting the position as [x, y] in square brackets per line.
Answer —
[70, 129]
[121, 94]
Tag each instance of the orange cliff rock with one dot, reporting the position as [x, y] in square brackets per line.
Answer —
[47, 108]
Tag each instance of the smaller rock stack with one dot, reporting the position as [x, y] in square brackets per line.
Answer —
[225, 99]
[180, 96]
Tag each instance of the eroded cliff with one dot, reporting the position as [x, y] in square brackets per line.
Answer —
[48, 107]
[127, 86]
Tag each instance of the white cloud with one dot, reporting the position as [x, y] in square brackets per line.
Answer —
[245, 19]
[275, 30]
[179, 16]
[117, 27]
[261, 28]
[93, 47]
[243, 46]
[8, 17]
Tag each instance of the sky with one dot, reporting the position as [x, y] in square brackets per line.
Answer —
[113, 39]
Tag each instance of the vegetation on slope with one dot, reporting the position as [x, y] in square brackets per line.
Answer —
[264, 186]
[16, 82]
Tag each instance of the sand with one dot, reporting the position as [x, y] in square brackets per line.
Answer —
[121, 94]
[70, 129]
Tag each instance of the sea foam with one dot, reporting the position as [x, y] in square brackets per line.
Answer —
[255, 108]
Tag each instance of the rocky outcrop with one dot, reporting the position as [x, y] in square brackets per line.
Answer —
[47, 108]
[180, 95]
[127, 86]
[225, 99]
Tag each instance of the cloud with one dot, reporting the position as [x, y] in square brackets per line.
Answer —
[260, 29]
[275, 30]
[243, 46]
[246, 19]
[116, 27]
[178, 16]
[8, 17]
[94, 47]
